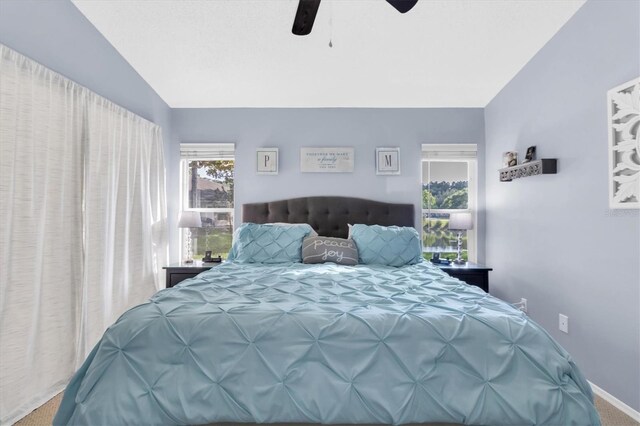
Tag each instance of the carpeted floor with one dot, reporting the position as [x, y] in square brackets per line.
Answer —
[42, 416]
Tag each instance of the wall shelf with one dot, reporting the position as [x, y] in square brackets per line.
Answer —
[545, 166]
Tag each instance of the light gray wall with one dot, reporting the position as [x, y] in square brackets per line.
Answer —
[552, 239]
[361, 128]
[57, 35]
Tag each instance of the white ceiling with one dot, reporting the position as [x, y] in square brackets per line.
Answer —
[241, 53]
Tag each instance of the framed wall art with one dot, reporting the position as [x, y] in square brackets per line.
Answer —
[267, 161]
[623, 104]
[326, 160]
[387, 161]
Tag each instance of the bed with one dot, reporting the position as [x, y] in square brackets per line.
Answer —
[326, 343]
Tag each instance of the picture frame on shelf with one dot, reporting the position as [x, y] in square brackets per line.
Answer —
[267, 161]
[509, 159]
[388, 161]
[530, 155]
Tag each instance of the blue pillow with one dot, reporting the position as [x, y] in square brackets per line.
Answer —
[268, 243]
[386, 245]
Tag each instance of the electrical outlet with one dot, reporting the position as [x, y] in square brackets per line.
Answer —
[563, 323]
[523, 305]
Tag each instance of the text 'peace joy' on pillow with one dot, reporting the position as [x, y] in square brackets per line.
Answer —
[327, 249]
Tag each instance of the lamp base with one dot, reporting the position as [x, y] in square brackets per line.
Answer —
[459, 260]
[189, 259]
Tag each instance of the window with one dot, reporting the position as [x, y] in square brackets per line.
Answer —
[207, 185]
[448, 186]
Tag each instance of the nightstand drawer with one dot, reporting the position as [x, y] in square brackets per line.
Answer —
[177, 277]
[480, 279]
[471, 273]
[182, 271]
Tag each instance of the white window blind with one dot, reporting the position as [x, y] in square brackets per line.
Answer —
[220, 151]
[457, 151]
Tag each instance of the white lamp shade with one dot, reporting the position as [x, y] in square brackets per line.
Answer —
[190, 219]
[460, 221]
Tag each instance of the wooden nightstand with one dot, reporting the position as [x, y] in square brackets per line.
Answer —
[178, 272]
[471, 273]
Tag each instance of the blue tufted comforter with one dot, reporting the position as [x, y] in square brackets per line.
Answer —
[326, 344]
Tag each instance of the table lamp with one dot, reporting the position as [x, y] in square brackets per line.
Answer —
[460, 222]
[189, 219]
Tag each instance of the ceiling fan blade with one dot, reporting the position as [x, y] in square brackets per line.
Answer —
[306, 14]
[402, 6]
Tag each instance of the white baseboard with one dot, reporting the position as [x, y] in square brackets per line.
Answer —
[635, 415]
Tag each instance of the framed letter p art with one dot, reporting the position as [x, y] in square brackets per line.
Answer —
[267, 161]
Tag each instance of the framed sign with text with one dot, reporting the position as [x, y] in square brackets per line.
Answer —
[326, 160]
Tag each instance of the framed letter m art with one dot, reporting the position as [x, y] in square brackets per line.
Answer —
[387, 161]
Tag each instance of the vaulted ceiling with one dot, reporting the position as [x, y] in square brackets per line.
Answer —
[241, 53]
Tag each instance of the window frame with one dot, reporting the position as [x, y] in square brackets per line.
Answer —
[202, 152]
[459, 153]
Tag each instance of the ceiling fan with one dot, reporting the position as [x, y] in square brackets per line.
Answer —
[307, 10]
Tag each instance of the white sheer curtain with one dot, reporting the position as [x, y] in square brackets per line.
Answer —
[82, 225]
[124, 216]
[41, 231]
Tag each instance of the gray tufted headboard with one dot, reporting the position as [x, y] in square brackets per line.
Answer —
[329, 216]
